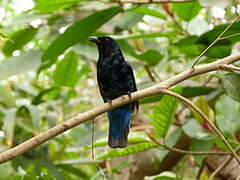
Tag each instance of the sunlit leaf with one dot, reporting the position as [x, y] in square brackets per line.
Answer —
[66, 73]
[163, 114]
[147, 11]
[131, 149]
[78, 32]
[18, 40]
[187, 10]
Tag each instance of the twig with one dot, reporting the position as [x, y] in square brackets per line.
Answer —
[229, 67]
[205, 118]
[214, 42]
[151, 1]
[88, 115]
[150, 74]
[184, 151]
[223, 165]
[226, 37]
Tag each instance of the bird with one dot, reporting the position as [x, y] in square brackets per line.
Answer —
[115, 78]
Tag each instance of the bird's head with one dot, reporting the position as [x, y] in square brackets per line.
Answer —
[106, 45]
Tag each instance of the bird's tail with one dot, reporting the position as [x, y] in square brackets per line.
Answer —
[119, 120]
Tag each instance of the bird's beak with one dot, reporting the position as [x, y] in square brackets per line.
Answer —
[94, 39]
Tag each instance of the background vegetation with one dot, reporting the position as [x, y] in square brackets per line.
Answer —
[48, 75]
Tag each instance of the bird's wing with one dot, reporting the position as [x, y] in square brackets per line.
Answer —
[101, 89]
[132, 83]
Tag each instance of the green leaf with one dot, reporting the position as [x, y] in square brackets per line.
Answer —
[227, 115]
[38, 99]
[151, 57]
[18, 40]
[231, 85]
[188, 46]
[163, 114]
[193, 91]
[52, 5]
[66, 73]
[128, 150]
[193, 129]
[78, 32]
[147, 11]
[205, 108]
[9, 124]
[187, 10]
[76, 171]
[23, 63]
[142, 35]
[200, 145]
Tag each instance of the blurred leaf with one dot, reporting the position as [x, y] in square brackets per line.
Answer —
[163, 114]
[52, 5]
[188, 46]
[187, 10]
[127, 20]
[78, 32]
[131, 149]
[151, 57]
[193, 129]
[18, 40]
[5, 36]
[193, 91]
[9, 124]
[231, 85]
[24, 119]
[200, 145]
[76, 171]
[142, 35]
[147, 11]
[6, 97]
[66, 73]
[205, 108]
[23, 63]
[166, 178]
[39, 98]
[6, 170]
[227, 115]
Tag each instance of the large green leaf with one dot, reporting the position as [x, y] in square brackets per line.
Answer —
[18, 40]
[151, 57]
[6, 96]
[187, 10]
[228, 115]
[147, 11]
[66, 73]
[128, 150]
[231, 85]
[163, 114]
[46, 5]
[20, 64]
[78, 32]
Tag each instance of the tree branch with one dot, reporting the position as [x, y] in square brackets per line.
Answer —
[151, 1]
[91, 114]
[229, 67]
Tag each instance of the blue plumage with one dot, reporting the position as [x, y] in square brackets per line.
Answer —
[115, 78]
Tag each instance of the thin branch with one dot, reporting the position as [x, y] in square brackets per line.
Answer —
[232, 35]
[150, 1]
[229, 67]
[205, 118]
[93, 113]
[184, 151]
[223, 165]
[214, 42]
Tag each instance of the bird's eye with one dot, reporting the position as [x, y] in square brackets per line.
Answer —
[107, 40]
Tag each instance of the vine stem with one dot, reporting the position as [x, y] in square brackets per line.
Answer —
[216, 40]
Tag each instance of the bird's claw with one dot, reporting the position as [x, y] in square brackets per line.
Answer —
[109, 101]
[129, 95]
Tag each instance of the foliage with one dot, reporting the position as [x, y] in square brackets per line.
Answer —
[48, 75]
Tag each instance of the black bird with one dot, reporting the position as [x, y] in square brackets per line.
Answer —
[115, 78]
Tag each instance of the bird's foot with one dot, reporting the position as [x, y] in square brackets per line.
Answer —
[109, 101]
[129, 95]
